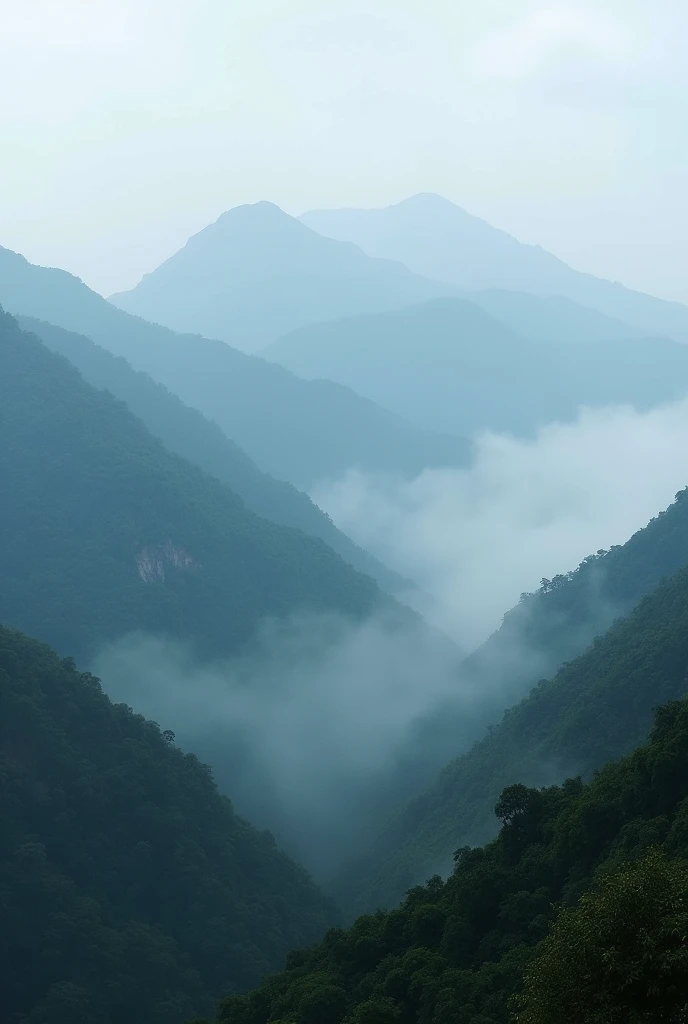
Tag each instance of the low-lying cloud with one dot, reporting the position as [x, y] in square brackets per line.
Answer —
[324, 725]
[526, 509]
[305, 731]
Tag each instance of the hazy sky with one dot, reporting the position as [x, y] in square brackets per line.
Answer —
[127, 125]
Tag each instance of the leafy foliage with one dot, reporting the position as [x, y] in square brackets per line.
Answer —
[104, 531]
[456, 951]
[620, 956]
[129, 889]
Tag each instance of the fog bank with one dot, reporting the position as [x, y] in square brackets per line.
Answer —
[475, 539]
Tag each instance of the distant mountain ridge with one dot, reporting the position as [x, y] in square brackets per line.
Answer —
[104, 532]
[295, 430]
[451, 365]
[188, 433]
[444, 242]
[257, 273]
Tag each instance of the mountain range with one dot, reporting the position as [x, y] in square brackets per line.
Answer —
[107, 538]
[186, 432]
[449, 365]
[154, 490]
[103, 531]
[443, 242]
[257, 273]
[295, 430]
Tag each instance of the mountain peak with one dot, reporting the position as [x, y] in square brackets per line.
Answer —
[430, 204]
[263, 208]
[262, 215]
[257, 273]
[426, 199]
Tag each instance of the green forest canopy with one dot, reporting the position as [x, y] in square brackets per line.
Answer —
[129, 889]
[455, 952]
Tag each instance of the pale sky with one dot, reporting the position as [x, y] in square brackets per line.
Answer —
[127, 125]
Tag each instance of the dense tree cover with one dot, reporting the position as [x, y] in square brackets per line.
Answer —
[436, 238]
[296, 430]
[256, 273]
[620, 956]
[449, 365]
[187, 432]
[535, 741]
[103, 531]
[129, 889]
[455, 952]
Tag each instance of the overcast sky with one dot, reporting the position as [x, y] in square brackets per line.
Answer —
[127, 125]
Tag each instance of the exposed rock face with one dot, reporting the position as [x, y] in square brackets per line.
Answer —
[151, 562]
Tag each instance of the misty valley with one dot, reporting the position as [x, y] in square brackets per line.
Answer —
[344, 603]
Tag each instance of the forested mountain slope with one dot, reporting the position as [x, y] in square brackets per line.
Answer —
[257, 273]
[188, 433]
[129, 889]
[449, 365]
[296, 430]
[103, 531]
[456, 951]
[595, 707]
[438, 239]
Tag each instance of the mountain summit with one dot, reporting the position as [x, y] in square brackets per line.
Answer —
[257, 273]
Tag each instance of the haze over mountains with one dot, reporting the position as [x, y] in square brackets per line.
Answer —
[103, 816]
[106, 532]
[600, 701]
[438, 239]
[188, 433]
[156, 525]
[295, 430]
[257, 273]
[448, 365]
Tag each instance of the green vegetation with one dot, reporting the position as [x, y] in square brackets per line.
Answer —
[188, 433]
[598, 706]
[296, 430]
[103, 531]
[129, 889]
[620, 956]
[456, 951]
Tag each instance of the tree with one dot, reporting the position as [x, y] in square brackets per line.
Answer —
[380, 1010]
[514, 800]
[327, 1005]
[620, 956]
